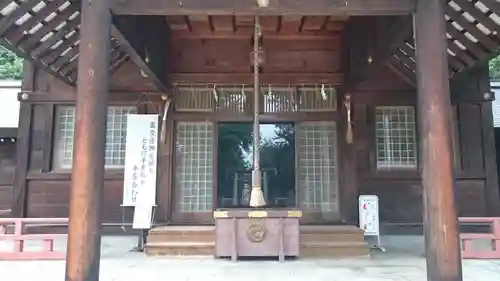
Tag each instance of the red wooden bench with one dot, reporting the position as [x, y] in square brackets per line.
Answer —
[468, 251]
[13, 229]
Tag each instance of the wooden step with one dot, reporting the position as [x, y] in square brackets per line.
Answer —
[326, 234]
[334, 250]
[188, 234]
[316, 241]
[330, 237]
[180, 249]
[183, 230]
[339, 229]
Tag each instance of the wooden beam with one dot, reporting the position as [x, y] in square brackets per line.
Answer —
[70, 70]
[265, 78]
[472, 47]
[35, 18]
[45, 47]
[146, 48]
[249, 7]
[246, 33]
[408, 78]
[51, 56]
[28, 43]
[442, 245]
[371, 42]
[9, 20]
[114, 97]
[482, 18]
[24, 55]
[87, 181]
[118, 62]
[472, 29]
[406, 55]
[493, 5]
[460, 54]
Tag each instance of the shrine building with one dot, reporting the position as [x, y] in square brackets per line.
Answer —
[385, 97]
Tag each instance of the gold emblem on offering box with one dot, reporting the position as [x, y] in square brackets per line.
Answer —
[257, 232]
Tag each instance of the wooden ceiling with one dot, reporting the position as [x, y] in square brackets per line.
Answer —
[293, 26]
[47, 32]
[472, 32]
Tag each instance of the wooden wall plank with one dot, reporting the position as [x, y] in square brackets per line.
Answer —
[50, 198]
[48, 139]
[491, 191]
[470, 137]
[38, 137]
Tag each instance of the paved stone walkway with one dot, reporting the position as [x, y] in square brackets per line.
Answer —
[119, 264]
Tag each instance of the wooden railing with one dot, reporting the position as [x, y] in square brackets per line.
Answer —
[467, 239]
[13, 229]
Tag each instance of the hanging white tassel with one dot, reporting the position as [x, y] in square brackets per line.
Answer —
[349, 132]
[163, 135]
[243, 95]
[323, 92]
[215, 94]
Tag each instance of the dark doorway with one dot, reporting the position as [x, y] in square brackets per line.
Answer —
[277, 161]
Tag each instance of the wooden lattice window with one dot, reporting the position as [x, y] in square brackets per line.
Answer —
[116, 133]
[317, 98]
[395, 137]
[317, 166]
[193, 167]
[194, 99]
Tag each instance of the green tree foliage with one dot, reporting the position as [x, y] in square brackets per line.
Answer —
[495, 68]
[277, 159]
[11, 66]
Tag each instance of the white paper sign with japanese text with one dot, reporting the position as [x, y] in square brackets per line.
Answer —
[141, 156]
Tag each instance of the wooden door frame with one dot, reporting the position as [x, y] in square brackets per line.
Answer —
[296, 118]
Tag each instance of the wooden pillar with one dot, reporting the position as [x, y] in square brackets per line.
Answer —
[434, 120]
[84, 240]
[23, 147]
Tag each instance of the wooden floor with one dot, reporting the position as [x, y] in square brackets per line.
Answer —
[315, 241]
